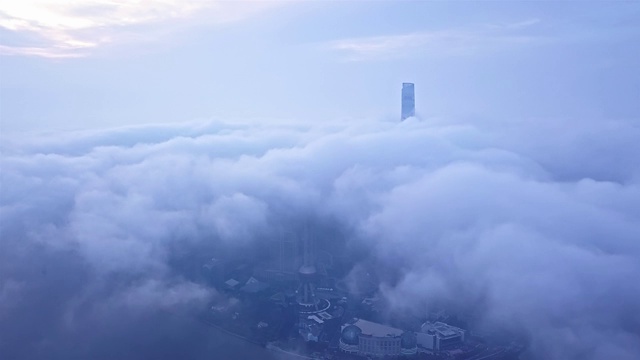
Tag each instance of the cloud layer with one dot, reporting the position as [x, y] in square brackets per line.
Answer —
[530, 226]
[471, 40]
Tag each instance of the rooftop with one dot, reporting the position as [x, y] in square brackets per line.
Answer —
[254, 288]
[232, 282]
[443, 330]
[375, 329]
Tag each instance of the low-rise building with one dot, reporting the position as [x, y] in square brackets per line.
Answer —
[440, 336]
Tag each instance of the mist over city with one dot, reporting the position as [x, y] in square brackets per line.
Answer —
[216, 180]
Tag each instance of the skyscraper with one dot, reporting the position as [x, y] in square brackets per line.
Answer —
[408, 101]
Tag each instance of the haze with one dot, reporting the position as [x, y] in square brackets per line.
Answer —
[137, 139]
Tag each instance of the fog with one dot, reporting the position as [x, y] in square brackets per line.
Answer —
[530, 225]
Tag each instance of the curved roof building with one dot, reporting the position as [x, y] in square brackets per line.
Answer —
[367, 338]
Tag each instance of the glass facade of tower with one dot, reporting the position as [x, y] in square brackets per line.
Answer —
[408, 100]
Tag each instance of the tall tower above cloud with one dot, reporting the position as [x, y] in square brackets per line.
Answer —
[408, 101]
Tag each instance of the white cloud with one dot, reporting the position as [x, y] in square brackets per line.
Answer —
[523, 235]
[154, 294]
[461, 41]
[71, 28]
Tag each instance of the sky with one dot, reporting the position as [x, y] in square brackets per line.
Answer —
[138, 140]
[92, 64]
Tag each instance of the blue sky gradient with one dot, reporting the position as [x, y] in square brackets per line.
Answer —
[313, 61]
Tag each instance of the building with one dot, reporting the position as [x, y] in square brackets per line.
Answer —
[440, 336]
[253, 287]
[408, 101]
[310, 306]
[312, 326]
[310, 331]
[367, 338]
